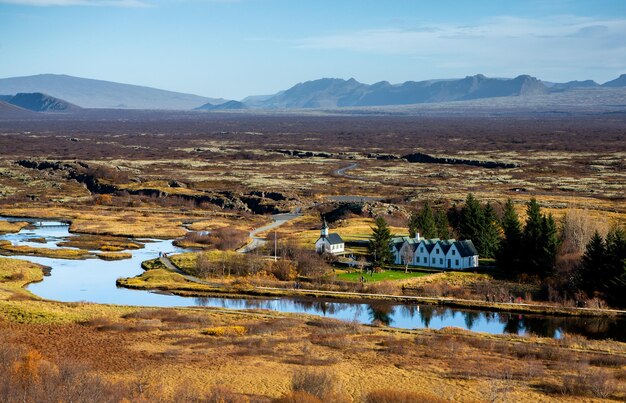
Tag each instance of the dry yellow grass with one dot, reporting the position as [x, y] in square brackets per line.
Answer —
[14, 275]
[60, 253]
[9, 227]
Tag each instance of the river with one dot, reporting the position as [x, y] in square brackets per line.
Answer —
[93, 280]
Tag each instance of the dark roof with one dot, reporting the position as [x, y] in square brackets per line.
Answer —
[445, 245]
[334, 239]
[466, 248]
[430, 244]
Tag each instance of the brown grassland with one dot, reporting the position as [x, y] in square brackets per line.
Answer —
[147, 175]
[174, 354]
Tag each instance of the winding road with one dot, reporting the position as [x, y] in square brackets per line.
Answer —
[342, 172]
[277, 221]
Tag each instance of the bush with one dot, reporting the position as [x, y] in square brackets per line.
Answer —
[283, 270]
[399, 396]
[298, 397]
[320, 384]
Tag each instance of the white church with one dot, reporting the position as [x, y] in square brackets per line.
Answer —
[442, 254]
[329, 243]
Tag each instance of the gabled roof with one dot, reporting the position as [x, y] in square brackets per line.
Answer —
[445, 245]
[429, 244]
[333, 239]
[466, 248]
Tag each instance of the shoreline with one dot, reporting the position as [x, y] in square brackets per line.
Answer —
[350, 297]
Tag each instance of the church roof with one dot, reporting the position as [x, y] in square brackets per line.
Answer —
[333, 239]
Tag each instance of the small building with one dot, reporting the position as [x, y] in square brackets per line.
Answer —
[329, 243]
[442, 254]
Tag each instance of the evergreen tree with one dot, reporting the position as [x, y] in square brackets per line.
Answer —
[379, 245]
[471, 222]
[593, 265]
[423, 222]
[413, 224]
[510, 248]
[490, 232]
[443, 227]
[533, 237]
[549, 244]
[614, 282]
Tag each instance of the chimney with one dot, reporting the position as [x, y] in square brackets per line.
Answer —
[417, 236]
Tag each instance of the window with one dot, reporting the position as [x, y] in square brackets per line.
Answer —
[456, 262]
[453, 252]
[433, 260]
[421, 249]
[436, 250]
[441, 260]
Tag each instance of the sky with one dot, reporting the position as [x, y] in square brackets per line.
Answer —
[235, 48]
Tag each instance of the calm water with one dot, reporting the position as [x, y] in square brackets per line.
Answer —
[93, 280]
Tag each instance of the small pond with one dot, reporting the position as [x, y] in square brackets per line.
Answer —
[93, 280]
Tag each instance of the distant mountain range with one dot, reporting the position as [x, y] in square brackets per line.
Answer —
[66, 93]
[89, 93]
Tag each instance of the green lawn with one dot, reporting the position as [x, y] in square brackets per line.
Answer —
[385, 275]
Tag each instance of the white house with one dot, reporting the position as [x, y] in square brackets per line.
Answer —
[329, 243]
[443, 254]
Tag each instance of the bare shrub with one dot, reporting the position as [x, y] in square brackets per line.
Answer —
[400, 396]
[577, 229]
[384, 287]
[598, 383]
[225, 238]
[298, 397]
[320, 384]
[394, 345]
[283, 270]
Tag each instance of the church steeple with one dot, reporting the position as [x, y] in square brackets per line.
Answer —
[324, 231]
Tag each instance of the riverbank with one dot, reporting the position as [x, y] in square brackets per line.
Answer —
[156, 348]
[178, 285]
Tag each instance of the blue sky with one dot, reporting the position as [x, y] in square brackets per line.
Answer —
[234, 48]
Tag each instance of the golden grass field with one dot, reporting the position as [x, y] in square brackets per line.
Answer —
[255, 353]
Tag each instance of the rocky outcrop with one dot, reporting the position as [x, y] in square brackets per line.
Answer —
[425, 158]
[258, 202]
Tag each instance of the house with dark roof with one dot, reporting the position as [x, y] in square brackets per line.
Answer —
[442, 254]
[329, 242]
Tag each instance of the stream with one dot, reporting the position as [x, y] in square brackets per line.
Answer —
[93, 280]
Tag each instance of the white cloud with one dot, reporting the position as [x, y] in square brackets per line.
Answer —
[101, 3]
[499, 44]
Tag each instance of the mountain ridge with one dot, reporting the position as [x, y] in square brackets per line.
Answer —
[91, 93]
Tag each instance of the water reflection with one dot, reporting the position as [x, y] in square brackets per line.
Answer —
[94, 281]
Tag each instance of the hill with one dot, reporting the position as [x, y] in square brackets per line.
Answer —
[89, 93]
[230, 105]
[332, 92]
[38, 102]
[618, 82]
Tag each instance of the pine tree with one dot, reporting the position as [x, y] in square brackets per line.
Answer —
[593, 265]
[533, 236]
[443, 227]
[549, 244]
[423, 222]
[509, 251]
[379, 245]
[614, 281]
[490, 232]
[471, 222]
[413, 224]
